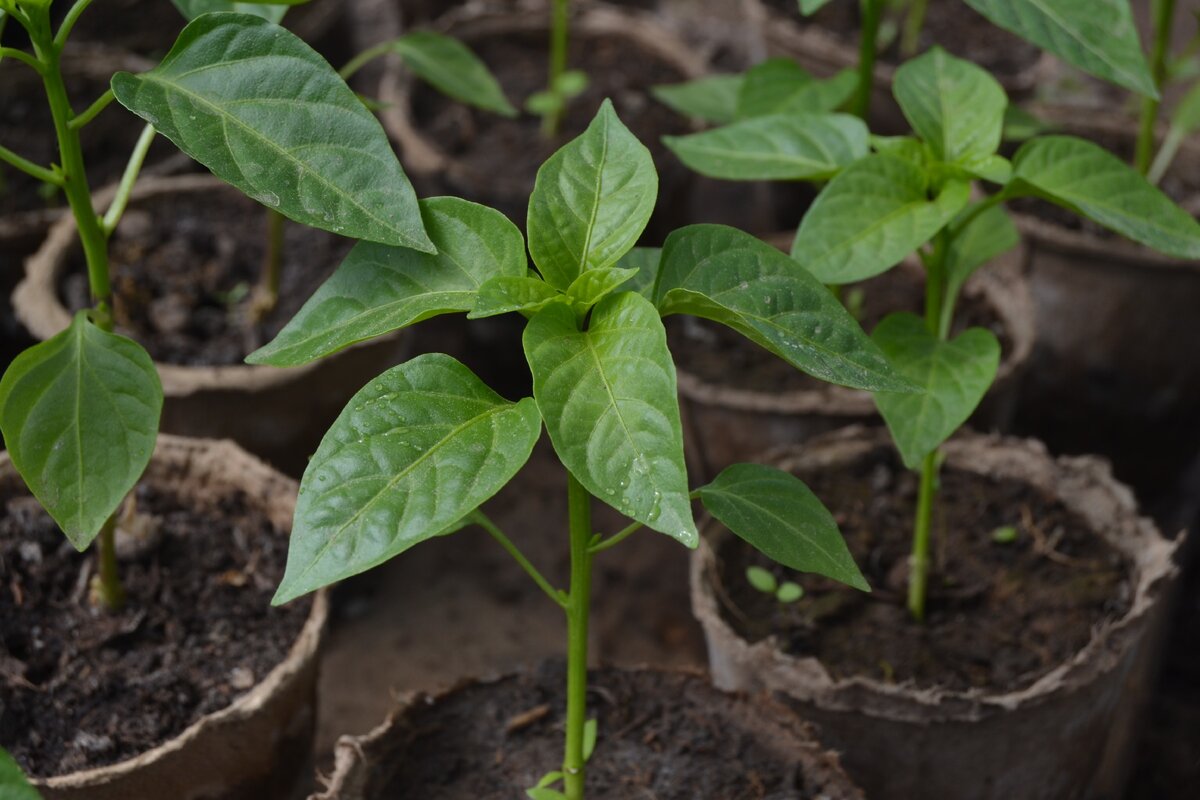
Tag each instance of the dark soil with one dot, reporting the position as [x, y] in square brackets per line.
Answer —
[80, 688]
[950, 24]
[664, 735]
[498, 158]
[716, 355]
[999, 615]
[183, 269]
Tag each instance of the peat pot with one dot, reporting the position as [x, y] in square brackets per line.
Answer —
[278, 414]
[664, 734]
[1013, 685]
[258, 745]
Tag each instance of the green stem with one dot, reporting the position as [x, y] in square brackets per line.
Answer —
[365, 57]
[914, 22]
[109, 591]
[1164, 11]
[94, 109]
[935, 284]
[558, 64]
[272, 262]
[918, 576]
[68, 23]
[579, 504]
[483, 521]
[872, 14]
[616, 538]
[30, 168]
[120, 200]
[23, 57]
[1166, 154]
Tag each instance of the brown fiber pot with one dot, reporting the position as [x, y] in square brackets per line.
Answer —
[725, 424]
[365, 765]
[1042, 742]
[278, 414]
[257, 748]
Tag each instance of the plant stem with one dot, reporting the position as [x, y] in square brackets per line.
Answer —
[1164, 11]
[268, 283]
[918, 576]
[69, 21]
[579, 504]
[30, 168]
[485, 522]
[120, 201]
[366, 56]
[872, 14]
[110, 592]
[914, 21]
[94, 109]
[616, 538]
[558, 63]
[23, 57]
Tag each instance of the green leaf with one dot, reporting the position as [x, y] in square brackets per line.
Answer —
[453, 69]
[506, 293]
[590, 731]
[778, 147]
[993, 168]
[609, 400]
[1020, 124]
[80, 415]
[982, 239]
[761, 579]
[1005, 534]
[781, 86]
[591, 201]
[378, 289]
[545, 794]
[194, 8]
[646, 260]
[809, 7]
[1186, 116]
[1087, 179]
[733, 278]
[1098, 36]
[955, 106]
[591, 286]
[412, 453]
[955, 374]
[13, 784]
[776, 514]
[544, 103]
[263, 111]
[549, 779]
[872, 215]
[571, 83]
[907, 148]
[789, 592]
[713, 99]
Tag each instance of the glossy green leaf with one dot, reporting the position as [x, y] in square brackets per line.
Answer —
[609, 400]
[1090, 181]
[80, 414]
[506, 293]
[955, 375]
[378, 289]
[13, 784]
[733, 278]
[591, 201]
[646, 261]
[781, 86]
[1098, 36]
[872, 215]
[982, 239]
[453, 69]
[712, 99]
[265, 112]
[955, 106]
[776, 514]
[194, 8]
[994, 168]
[907, 148]
[413, 452]
[778, 147]
[591, 286]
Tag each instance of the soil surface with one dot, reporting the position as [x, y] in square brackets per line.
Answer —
[1000, 615]
[950, 24]
[80, 688]
[717, 355]
[184, 266]
[667, 736]
[497, 159]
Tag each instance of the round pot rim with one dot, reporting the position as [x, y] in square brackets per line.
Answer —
[1005, 290]
[1083, 483]
[300, 655]
[351, 751]
[37, 305]
[423, 156]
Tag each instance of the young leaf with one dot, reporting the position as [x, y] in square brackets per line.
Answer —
[762, 580]
[609, 400]
[781, 86]
[955, 106]
[873, 214]
[263, 111]
[378, 289]
[13, 784]
[733, 278]
[80, 414]
[507, 293]
[194, 8]
[789, 592]
[412, 453]
[594, 284]
[713, 99]
[646, 260]
[776, 514]
[985, 237]
[810, 7]
[955, 374]
[1087, 179]
[590, 730]
[451, 67]
[778, 147]
[591, 201]
[1098, 36]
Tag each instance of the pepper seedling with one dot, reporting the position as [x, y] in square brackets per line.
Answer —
[562, 84]
[80, 411]
[419, 449]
